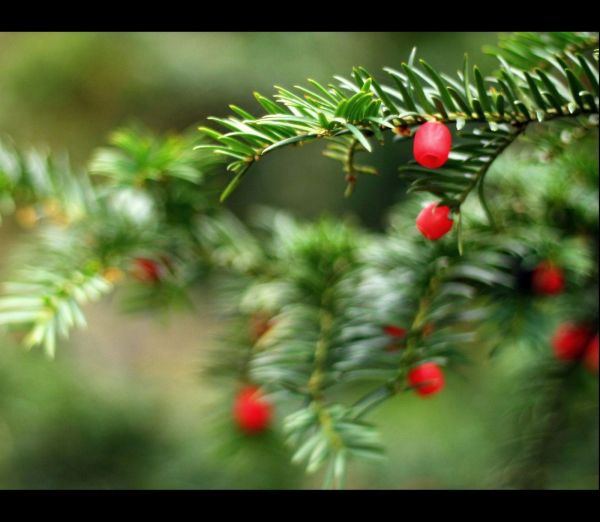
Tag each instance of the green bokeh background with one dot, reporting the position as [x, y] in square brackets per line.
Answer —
[124, 405]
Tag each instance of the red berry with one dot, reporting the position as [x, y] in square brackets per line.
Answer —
[146, 270]
[547, 279]
[251, 411]
[398, 333]
[394, 331]
[590, 358]
[570, 341]
[426, 379]
[433, 221]
[432, 144]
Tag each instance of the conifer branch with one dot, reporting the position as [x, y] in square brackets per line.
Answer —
[115, 221]
[35, 185]
[513, 99]
[49, 304]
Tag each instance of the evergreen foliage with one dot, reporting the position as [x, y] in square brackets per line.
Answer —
[309, 302]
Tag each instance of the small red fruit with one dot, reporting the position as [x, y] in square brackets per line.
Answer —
[432, 144]
[570, 341]
[251, 411]
[426, 379]
[394, 331]
[590, 358]
[433, 221]
[397, 333]
[146, 270]
[547, 279]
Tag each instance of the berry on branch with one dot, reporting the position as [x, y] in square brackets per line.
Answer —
[394, 331]
[251, 411]
[590, 358]
[397, 333]
[426, 379]
[547, 279]
[432, 144]
[146, 270]
[570, 341]
[433, 221]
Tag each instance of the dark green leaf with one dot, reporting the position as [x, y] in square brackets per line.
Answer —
[460, 101]
[289, 141]
[589, 72]
[575, 86]
[406, 97]
[535, 93]
[359, 136]
[233, 185]
[484, 99]
[439, 82]
[418, 89]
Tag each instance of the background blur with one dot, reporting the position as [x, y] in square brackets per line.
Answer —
[124, 404]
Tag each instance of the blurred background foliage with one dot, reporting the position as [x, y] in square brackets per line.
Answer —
[123, 405]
